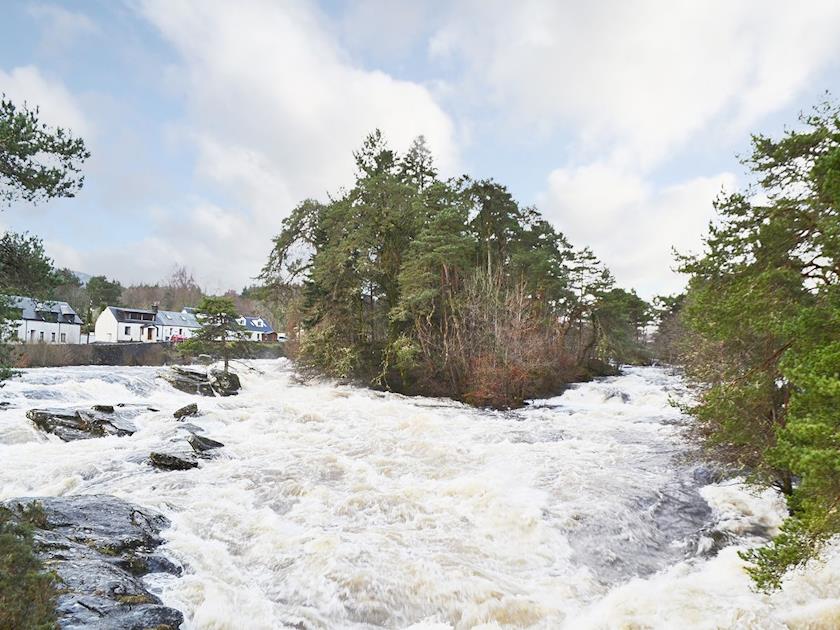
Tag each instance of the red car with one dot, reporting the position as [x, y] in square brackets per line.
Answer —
[177, 339]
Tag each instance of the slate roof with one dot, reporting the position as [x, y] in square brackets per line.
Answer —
[177, 318]
[126, 315]
[251, 326]
[35, 310]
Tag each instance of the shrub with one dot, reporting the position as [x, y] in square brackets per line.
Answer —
[27, 592]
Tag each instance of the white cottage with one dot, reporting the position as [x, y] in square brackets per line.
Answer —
[176, 324]
[126, 324]
[257, 329]
[45, 321]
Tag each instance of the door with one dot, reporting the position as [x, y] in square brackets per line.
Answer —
[149, 333]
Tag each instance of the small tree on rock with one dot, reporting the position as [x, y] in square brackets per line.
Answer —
[220, 331]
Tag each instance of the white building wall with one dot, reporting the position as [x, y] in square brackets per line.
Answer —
[34, 331]
[106, 327]
[136, 332]
[109, 329]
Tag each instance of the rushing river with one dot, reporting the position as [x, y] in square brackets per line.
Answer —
[337, 507]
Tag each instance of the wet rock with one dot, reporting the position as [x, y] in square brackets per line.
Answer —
[104, 408]
[616, 394]
[198, 382]
[202, 444]
[188, 410]
[80, 424]
[100, 547]
[189, 381]
[170, 461]
[225, 383]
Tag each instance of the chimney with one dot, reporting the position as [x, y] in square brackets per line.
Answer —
[155, 307]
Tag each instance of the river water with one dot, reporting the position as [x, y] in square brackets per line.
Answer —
[338, 507]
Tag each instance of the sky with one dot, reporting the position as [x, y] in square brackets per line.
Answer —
[208, 121]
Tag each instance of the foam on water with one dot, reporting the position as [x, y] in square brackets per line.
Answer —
[336, 507]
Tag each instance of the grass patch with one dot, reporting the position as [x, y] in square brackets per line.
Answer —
[27, 591]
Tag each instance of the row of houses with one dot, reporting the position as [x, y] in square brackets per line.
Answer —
[116, 323]
[56, 322]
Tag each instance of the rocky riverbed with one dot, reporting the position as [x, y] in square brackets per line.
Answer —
[329, 506]
[101, 548]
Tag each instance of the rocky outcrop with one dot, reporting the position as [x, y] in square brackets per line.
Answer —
[100, 547]
[225, 383]
[82, 424]
[187, 410]
[192, 381]
[202, 444]
[188, 381]
[172, 461]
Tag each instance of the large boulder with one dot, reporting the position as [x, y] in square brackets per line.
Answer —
[225, 383]
[201, 444]
[188, 380]
[192, 381]
[100, 547]
[172, 461]
[186, 410]
[81, 424]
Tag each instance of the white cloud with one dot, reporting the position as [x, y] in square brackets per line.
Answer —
[631, 224]
[389, 28]
[635, 84]
[639, 79]
[60, 27]
[274, 109]
[58, 107]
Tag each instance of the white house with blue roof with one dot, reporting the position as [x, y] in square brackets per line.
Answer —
[39, 321]
[257, 329]
[117, 324]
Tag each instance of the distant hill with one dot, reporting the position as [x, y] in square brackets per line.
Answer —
[83, 277]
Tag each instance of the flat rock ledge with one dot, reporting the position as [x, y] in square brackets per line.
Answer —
[100, 547]
[85, 423]
[191, 381]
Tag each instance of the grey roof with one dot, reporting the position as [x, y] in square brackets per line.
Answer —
[177, 318]
[33, 309]
[251, 326]
[127, 314]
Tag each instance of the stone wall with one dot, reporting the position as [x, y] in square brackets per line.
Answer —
[59, 355]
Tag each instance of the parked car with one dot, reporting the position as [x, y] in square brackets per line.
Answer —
[177, 339]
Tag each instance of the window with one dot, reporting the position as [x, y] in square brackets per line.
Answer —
[41, 336]
[128, 330]
[63, 337]
[53, 338]
[180, 331]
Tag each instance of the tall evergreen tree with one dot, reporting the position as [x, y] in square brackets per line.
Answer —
[762, 307]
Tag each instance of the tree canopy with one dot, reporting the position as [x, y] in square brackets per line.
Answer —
[37, 162]
[763, 314]
[425, 285]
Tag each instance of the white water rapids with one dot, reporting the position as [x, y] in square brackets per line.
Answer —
[338, 507]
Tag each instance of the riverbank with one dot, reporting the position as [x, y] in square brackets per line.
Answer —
[335, 506]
